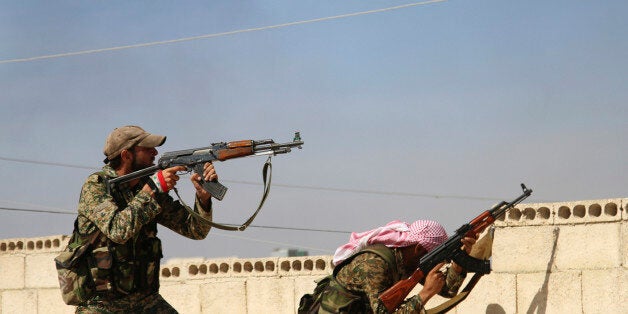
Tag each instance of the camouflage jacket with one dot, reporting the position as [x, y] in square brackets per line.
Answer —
[368, 274]
[127, 253]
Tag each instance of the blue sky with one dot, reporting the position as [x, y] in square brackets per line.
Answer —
[454, 98]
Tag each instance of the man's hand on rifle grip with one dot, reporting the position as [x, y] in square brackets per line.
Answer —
[209, 174]
[171, 177]
[434, 282]
[168, 179]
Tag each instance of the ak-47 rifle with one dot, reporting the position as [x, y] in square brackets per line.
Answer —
[195, 158]
[451, 250]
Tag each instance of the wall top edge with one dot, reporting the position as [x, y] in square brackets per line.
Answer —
[52, 243]
[568, 212]
[277, 259]
[619, 200]
[193, 268]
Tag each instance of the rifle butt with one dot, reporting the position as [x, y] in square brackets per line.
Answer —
[394, 296]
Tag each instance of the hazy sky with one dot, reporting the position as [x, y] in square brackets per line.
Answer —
[451, 103]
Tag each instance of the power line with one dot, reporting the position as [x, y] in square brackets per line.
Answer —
[292, 186]
[37, 210]
[222, 234]
[206, 36]
[272, 242]
[46, 163]
[306, 187]
[50, 211]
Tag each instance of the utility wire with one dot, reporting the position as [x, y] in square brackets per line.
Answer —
[46, 163]
[37, 210]
[306, 187]
[303, 187]
[248, 30]
[50, 211]
[283, 244]
[272, 242]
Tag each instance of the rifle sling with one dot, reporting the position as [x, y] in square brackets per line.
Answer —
[453, 302]
[266, 175]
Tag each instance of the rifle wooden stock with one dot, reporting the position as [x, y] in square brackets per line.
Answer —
[394, 296]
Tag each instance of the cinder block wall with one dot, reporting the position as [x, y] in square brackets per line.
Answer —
[567, 257]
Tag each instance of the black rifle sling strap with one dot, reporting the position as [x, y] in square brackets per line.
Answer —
[267, 171]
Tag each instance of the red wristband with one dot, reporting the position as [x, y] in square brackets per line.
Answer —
[162, 181]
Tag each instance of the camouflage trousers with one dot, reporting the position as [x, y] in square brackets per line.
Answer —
[153, 303]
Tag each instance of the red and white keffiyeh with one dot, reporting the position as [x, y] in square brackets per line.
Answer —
[394, 234]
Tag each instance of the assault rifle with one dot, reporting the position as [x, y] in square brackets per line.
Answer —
[195, 158]
[451, 250]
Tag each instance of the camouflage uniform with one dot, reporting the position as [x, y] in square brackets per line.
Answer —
[368, 274]
[127, 252]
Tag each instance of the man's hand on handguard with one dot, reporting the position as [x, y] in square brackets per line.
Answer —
[467, 245]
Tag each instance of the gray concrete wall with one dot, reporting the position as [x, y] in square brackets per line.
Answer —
[566, 257]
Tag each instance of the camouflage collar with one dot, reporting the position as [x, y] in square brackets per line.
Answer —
[109, 172]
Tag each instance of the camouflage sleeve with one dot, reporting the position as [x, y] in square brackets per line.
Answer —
[453, 281]
[176, 218]
[97, 210]
[369, 273]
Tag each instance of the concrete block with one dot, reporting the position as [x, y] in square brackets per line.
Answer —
[305, 265]
[591, 246]
[11, 246]
[605, 291]
[12, 271]
[522, 249]
[179, 269]
[185, 298]
[303, 285]
[49, 301]
[171, 273]
[41, 271]
[528, 215]
[256, 267]
[549, 293]
[603, 210]
[224, 296]
[218, 268]
[270, 295]
[19, 301]
[493, 294]
[55, 243]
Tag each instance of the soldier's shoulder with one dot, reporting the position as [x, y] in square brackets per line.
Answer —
[369, 260]
[94, 178]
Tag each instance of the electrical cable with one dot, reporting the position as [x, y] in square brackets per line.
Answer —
[50, 211]
[304, 187]
[255, 29]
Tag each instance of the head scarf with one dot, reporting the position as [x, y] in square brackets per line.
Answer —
[429, 234]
